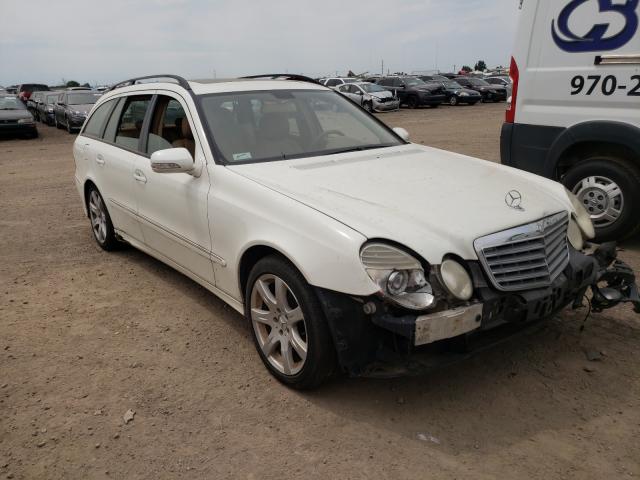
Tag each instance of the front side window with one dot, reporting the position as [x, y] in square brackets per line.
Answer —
[95, 124]
[130, 125]
[169, 127]
[282, 124]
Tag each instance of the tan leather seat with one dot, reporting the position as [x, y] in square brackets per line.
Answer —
[187, 140]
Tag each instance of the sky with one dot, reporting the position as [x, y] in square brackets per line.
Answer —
[101, 42]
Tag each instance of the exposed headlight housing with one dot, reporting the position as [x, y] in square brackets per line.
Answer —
[581, 216]
[456, 280]
[400, 277]
[463, 94]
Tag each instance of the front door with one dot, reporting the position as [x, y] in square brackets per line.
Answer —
[172, 207]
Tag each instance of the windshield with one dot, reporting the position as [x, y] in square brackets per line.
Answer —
[10, 103]
[82, 98]
[412, 82]
[284, 124]
[477, 82]
[372, 88]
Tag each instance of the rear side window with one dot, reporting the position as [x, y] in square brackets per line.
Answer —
[95, 124]
[130, 126]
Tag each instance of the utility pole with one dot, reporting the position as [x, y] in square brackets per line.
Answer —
[382, 69]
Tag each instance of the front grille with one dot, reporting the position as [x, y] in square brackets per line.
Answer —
[526, 257]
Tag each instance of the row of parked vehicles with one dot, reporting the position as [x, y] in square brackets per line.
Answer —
[413, 91]
[31, 103]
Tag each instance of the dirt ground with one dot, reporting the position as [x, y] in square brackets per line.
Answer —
[86, 336]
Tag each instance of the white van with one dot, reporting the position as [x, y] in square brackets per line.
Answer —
[575, 110]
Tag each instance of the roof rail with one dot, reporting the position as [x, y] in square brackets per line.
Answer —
[133, 81]
[283, 76]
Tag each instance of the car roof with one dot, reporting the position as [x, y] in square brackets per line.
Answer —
[212, 86]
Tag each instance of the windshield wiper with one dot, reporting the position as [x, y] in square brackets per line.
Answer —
[359, 148]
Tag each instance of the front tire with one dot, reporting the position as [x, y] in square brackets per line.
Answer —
[609, 188]
[101, 225]
[412, 102]
[453, 101]
[288, 325]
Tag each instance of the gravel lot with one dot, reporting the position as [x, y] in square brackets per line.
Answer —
[86, 336]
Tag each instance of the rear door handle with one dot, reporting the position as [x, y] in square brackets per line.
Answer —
[99, 159]
[139, 176]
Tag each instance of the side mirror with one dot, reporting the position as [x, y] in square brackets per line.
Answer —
[172, 160]
[402, 133]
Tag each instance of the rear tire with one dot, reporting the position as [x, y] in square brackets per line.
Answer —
[412, 102]
[609, 187]
[288, 324]
[101, 225]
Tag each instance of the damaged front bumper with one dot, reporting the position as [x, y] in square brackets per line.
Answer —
[388, 342]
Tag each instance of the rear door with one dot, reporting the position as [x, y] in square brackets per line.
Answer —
[581, 62]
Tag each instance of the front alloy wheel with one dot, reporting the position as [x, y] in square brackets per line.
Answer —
[279, 324]
[453, 101]
[288, 324]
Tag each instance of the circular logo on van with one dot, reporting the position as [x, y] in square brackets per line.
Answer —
[514, 200]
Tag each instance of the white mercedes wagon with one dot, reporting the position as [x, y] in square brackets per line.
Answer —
[346, 247]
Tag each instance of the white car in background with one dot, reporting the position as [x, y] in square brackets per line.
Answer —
[335, 82]
[370, 96]
[342, 243]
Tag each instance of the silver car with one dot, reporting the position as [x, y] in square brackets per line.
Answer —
[370, 96]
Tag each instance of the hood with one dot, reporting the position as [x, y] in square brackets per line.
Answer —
[14, 114]
[463, 90]
[85, 108]
[385, 94]
[432, 201]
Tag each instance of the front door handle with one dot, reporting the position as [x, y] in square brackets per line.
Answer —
[99, 159]
[139, 176]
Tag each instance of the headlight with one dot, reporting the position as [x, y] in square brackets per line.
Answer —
[463, 94]
[50, 110]
[25, 120]
[581, 216]
[400, 277]
[456, 279]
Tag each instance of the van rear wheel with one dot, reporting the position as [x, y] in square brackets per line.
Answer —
[609, 188]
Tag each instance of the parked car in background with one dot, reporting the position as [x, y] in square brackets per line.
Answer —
[15, 119]
[73, 89]
[413, 92]
[490, 93]
[46, 113]
[575, 110]
[32, 103]
[370, 96]
[454, 92]
[504, 81]
[335, 82]
[26, 89]
[72, 108]
[12, 89]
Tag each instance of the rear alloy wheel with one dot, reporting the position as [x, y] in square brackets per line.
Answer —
[412, 102]
[101, 225]
[288, 324]
[609, 189]
[453, 101]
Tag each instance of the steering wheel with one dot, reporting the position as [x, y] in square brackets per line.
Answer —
[324, 136]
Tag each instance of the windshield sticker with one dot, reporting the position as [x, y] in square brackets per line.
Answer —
[242, 156]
